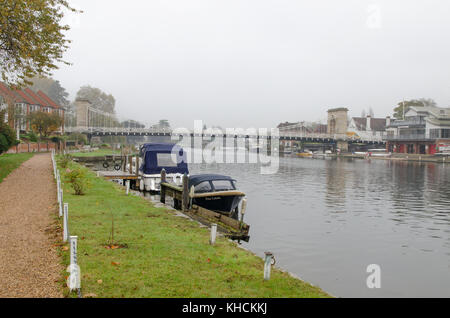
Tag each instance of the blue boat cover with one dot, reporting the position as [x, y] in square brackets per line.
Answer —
[199, 178]
[158, 156]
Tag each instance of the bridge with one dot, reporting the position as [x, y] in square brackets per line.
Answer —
[93, 122]
[302, 137]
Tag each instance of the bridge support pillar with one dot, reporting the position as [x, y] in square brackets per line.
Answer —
[342, 145]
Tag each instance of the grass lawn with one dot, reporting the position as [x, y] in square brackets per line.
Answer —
[165, 255]
[9, 162]
[99, 153]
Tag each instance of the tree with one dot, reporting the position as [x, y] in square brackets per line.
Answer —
[131, 124]
[403, 106]
[32, 38]
[164, 123]
[52, 88]
[98, 99]
[45, 123]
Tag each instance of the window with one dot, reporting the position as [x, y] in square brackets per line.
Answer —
[165, 160]
[204, 186]
[223, 185]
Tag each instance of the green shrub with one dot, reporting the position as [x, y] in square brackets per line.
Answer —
[64, 160]
[80, 138]
[8, 134]
[78, 180]
[31, 136]
[4, 145]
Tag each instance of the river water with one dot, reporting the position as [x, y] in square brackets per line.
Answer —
[326, 220]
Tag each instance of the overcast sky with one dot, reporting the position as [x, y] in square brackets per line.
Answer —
[255, 63]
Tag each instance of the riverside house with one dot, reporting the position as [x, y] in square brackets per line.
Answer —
[424, 130]
[368, 127]
[25, 102]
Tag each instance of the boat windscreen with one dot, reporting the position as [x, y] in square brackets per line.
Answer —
[223, 185]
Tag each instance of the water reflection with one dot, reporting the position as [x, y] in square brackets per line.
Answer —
[326, 220]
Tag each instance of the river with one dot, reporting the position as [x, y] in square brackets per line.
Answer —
[327, 220]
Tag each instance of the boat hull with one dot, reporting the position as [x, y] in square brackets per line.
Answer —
[224, 204]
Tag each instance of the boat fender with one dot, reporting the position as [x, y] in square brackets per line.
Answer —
[105, 165]
[117, 166]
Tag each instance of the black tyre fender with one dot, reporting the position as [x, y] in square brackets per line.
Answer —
[105, 165]
[117, 166]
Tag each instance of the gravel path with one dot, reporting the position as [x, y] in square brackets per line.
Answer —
[29, 264]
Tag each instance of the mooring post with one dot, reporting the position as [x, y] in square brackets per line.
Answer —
[163, 188]
[66, 222]
[185, 193]
[243, 208]
[130, 159]
[212, 240]
[267, 264]
[127, 184]
[191, 196]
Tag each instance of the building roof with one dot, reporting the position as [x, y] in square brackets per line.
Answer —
[376, 124]
[338, 109]
[49, 101]
[35, 97]
[4, 90]
[24, 97]
[438, 112]
[287, 124]
[28, 96]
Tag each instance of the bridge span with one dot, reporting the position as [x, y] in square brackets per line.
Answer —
[294, 136]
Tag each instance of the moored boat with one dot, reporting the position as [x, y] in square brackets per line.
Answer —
[305, 154]
[158, 156]
[216, 193]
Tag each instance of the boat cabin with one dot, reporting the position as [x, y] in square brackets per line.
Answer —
[157, 156]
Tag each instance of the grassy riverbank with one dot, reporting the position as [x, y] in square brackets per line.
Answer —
[9, 162]
[163, 255]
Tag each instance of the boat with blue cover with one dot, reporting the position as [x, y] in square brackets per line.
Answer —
[157, 156]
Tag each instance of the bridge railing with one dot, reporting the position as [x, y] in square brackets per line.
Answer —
[283, 135]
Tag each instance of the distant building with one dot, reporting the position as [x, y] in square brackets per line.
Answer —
[25, 102]
[367, 127]
[424, 130]
[297, 128]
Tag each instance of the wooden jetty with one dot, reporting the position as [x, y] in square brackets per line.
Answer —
[234, 229]
[182, 199]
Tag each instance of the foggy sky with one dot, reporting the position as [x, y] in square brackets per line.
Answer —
[255, 63]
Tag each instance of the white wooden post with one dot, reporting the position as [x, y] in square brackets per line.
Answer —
[127, 184]
[66, 222]
[267, 265]
[212, 240]
[74, 280]
[60, 202]
[58, 192]
[73, 250]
